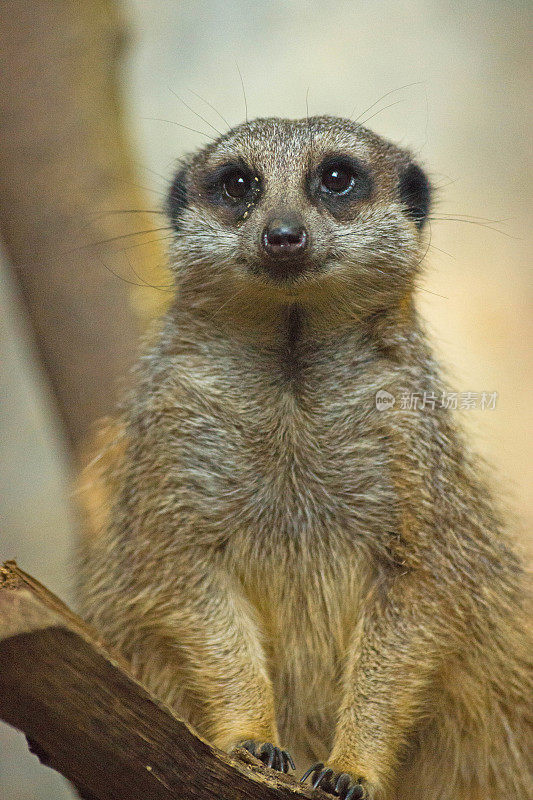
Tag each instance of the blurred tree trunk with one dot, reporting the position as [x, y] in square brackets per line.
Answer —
[65, 161]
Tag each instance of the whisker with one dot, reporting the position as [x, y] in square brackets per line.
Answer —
[396, 102]
[243, 93]
[392, 91]
[472, 217]
[121, 277]
[427, 119]
[163, 288]
[118, 238]
[373, 269]
[152, 171]
[229, 300]
[474, 222]
[428, 291]
[180, 125]
[112, 212]
[439, 187]
[445, 252]
[130, 211]
[310, 129]
[148, 241]
[195, 112]
[224, 120]
[430, 237]
[147, 189]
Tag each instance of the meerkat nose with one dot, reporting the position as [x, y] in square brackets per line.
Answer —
[284, 237]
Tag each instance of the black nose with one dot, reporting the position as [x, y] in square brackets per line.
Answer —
[284, 237]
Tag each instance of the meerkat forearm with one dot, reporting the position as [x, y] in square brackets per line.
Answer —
[197, 645]
[394, 660]
[224, 664]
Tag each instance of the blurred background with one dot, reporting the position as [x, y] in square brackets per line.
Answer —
[93, 97]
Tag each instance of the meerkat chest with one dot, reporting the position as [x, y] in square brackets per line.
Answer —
[281, 465]
[304, 470]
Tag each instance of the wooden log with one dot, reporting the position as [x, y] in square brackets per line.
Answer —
[88, 718]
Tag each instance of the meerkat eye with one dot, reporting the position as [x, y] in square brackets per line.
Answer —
[236, 184]
[337, 178]
[341, 179]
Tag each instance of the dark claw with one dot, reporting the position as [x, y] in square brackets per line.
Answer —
[268, 751]
[287, 760]
[323, 777]
[341, 785]
[314, 768]
[271, 756]
[343, 782]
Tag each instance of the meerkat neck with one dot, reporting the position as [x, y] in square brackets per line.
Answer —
[291, 326]
[269, 324]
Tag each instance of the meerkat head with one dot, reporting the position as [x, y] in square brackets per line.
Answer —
[300, 209]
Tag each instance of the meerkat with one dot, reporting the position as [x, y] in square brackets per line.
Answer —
[288, 565]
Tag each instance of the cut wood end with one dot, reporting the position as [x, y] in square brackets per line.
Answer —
[8, 575]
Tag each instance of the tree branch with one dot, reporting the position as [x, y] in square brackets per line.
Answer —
[95, 723]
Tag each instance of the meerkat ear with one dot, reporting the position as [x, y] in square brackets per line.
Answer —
[177, 196]
[415, 193]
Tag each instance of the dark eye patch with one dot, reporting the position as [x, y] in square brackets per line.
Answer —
[177, 196]
[415, 193]
[232, 184]
[341, 179]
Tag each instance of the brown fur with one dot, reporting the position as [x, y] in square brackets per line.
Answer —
[280, 560]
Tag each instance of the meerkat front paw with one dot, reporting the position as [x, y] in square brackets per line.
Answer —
[339, 784]
[271, 755]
